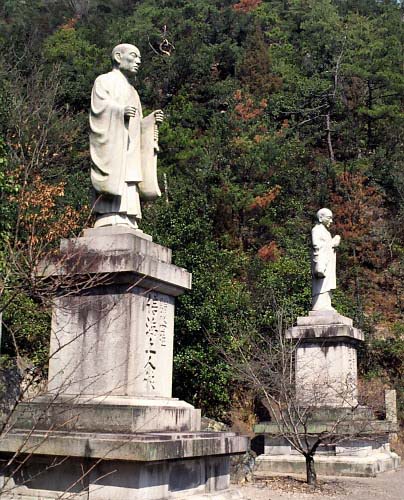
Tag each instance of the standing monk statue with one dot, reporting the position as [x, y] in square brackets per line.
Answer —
[123, 144]
[323, 261]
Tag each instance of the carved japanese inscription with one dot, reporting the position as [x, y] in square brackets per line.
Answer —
[156, 332]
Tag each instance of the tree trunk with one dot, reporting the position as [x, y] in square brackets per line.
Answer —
[311, 475]
[329, 140]
[369, 119]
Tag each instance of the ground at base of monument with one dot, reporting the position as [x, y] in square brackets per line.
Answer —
[387, 486]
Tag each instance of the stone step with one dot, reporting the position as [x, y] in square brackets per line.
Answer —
[345, 427]
[138, 447]
[369, 466]
[111, 414]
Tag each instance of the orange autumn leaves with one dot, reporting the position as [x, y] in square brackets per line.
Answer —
[270, 251]
[359, 215]
[267, 198]
[40, 215]
[374, 264]
[246, 5]
[246, 109]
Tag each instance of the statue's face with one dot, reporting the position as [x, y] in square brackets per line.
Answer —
[129, 60]
[326, 220]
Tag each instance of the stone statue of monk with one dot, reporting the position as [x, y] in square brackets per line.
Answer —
[123, 144]
[323, 262]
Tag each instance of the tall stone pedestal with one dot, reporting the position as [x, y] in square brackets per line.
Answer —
[355, 442]
[326, 361]
[108, 427]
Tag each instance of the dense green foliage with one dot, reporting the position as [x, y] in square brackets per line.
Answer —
[274, 109]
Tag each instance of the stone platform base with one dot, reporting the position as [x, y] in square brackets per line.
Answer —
[109, 414]
[368, 466]
[144, 466]
[227, 495]
[204, 478]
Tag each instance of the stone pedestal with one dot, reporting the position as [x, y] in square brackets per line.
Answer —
[326, 361]
[115, 336]
[355, 442]
[109, 405]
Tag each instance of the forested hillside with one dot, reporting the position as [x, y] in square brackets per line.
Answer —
[273, 109]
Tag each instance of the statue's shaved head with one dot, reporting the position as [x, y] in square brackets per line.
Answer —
[121, 49]
[323, 212]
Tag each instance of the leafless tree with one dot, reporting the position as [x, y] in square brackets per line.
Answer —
[266, 365]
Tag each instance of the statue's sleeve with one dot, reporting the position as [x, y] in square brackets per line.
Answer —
[149, 188]
[107, 138]
[320, 253]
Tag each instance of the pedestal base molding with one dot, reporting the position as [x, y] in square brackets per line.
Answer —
[349, 466]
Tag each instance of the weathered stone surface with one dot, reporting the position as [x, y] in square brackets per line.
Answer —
[115, 239]
[360, 456]
[107, 414]
[323, 318]
[114, 336]
[390, 398]
[368, 466]
[326, 359]
[208, 424]
[203, 478]
[335, 414]
[140, 447]
[112, 341]
[348, 426]
[95, 232]
[139, 466]
[242, 467]
[326, 375]
[124, 258]
[367, 444]
[325, 332]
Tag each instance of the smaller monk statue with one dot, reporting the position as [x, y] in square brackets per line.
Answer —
[323, 262]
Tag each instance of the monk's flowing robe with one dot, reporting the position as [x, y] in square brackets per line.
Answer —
[123, 150]
[323, 260]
